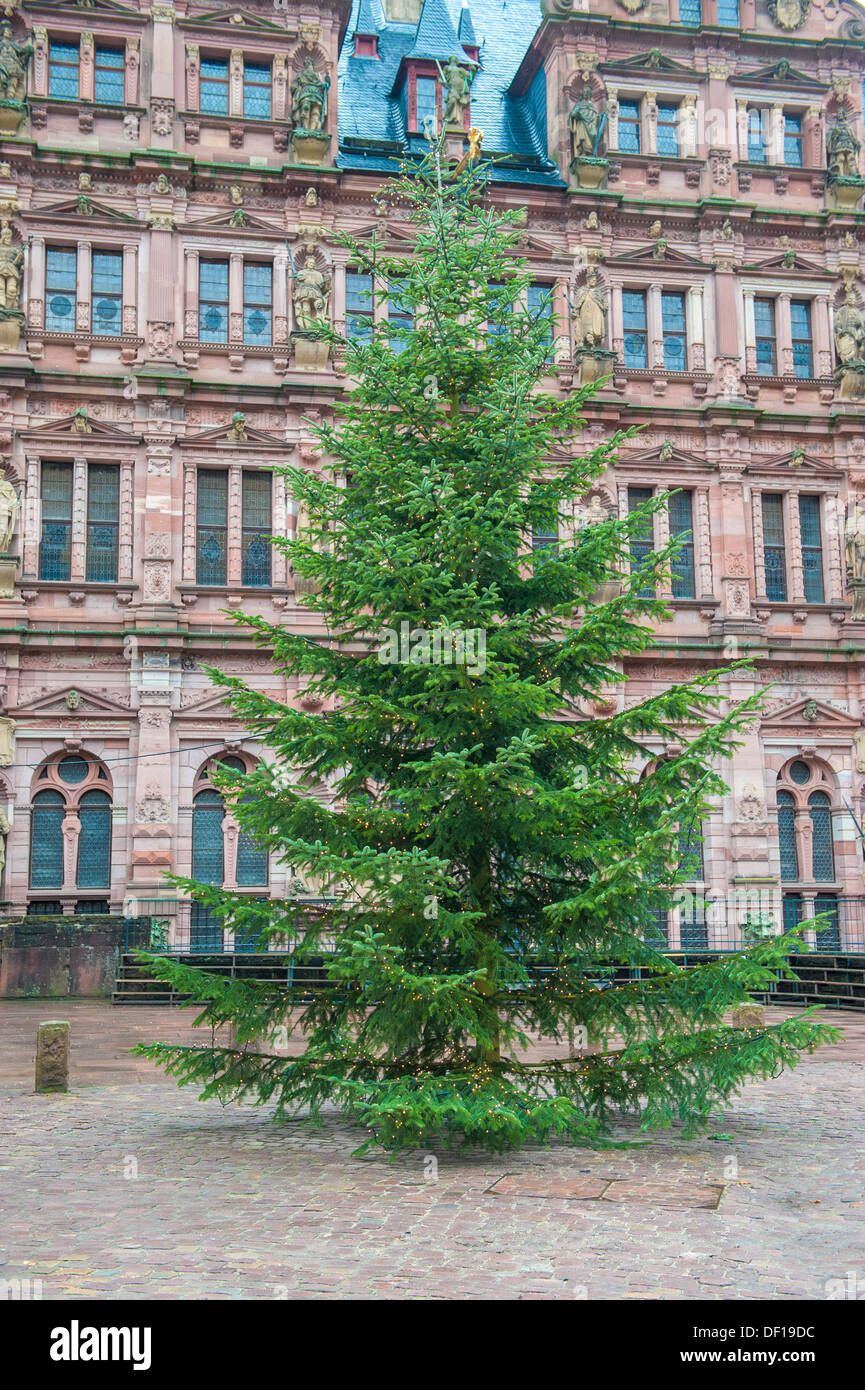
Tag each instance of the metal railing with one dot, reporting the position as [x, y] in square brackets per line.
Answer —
[176, 926]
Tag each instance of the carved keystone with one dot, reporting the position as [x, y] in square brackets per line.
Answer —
[52, 1056]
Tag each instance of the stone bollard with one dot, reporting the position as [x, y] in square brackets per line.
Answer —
[748, 1016]
[52, 1056]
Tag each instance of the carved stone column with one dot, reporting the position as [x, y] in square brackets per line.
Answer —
[797, 577]
[235, 504]
[190, 509]
[85, 67]
[132, 65]
[695, 329]
[784, 332]
[36, 299]
[130, 288]
[82, 313]
[78, 563]
[190, 294]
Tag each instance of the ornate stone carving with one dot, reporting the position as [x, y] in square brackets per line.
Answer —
[161, 115]
[7, 742]
[308, 91]
[842, 148]
[311, 296]
[750, 807]
[854, 545]
[789, 14]
[9, 511]
[590, 312]
[457, 82]
[14, 59]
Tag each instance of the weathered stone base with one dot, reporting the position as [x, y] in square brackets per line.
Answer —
[594, 363]
[310, 354]
[844, 194]
[589, 173]
[10, 332]
[309, 147]
[52, 1057]
[12, 115]
[8, 566]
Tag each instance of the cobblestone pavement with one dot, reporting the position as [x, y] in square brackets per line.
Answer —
[131, 1188]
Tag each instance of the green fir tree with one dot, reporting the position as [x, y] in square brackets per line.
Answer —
[493, 852]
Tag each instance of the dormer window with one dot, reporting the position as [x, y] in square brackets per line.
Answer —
[365, 46]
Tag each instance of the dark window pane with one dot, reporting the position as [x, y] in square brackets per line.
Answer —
[823, 869]
[63, 70]
[668, 130]
[634, 319]
[207, 819]
[94, 841]
[46, 840]
[629, 127]
[643, 543]
[214, 87]
[812, 550]
[358, 307]
[757, 135]
[212, 526]
[72, 770]
[256, 527]
[427, 103]
[251, 861]
[774, 547]
[103, 516]
[55, 551]
[61, 278]
[539, 299]
[787, 837]
[673, 324]
[400, 318]
[800, 322]
[793, 140]
[257, 299]
[764, 329]
[681, 525]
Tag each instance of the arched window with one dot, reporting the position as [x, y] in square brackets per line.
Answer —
[212, 858]
[78, 786]
[787, 837]
[822, 854]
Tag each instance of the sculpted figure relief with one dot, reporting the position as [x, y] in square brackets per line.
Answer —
[584, 124]
[850, 331]
[14, 58]
[11, 264]
[456, 96]
[590, 312]
[855, 555]
[9, 509]
[789, 14]
[311, 295]
[842, 148]
[307, 97]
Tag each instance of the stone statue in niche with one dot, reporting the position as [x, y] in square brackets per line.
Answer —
[5, 827]
[842, 148]
[584, 123]
[308, 92]
[854, 537]
[457, 82]
[311, 296]
[590, 312]
[9, 510]
[14, 58]
[850, 330]
[7, 742]
[11, 265]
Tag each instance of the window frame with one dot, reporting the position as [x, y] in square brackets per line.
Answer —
[73, 45]
[102, 50]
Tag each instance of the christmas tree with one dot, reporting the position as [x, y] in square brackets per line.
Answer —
[494, 852]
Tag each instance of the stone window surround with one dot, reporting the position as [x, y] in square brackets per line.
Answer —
[802, 825]
[647, 97]
[64, 452]
[830, 513]
[281, 509]
[777, 105]
[692, 286]
[83, 309]
[783, 291]
[256, 52]
[87, 40]
[71, 830]
[260, 251]
[704, 584]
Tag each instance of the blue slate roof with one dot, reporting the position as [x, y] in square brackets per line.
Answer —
[370, 119]
[369, 17]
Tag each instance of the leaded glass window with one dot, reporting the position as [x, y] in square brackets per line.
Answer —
[103, 518]
[800, 322]
[213, 301]
[108, 76]
[63, 70]
[539, 299]
[764, 330]
[94, 841]
[256, 527]
[358, 307]
[682, 527]
[400, 319]
[257, 304]
[634, 320]
[207, 817]
[55, 550]
[205, 929]
[107, 316]
[690, 854]
[673, 326]
[46, 840]
[668, 130]
[256, 90]
[61, 295]
[800, 773]
[214, 87]
[828, 938]
[212, 526]
[427, 104]
[756, 135]
[728, 14]
[812, 550]
[643, 543]
[787, 837]
[774, 547]
[822, 856]
[629, 127]
[793, 140]
[545, 537]
[690, 12]
[251, 858]
[500, 310]
[72, 770]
